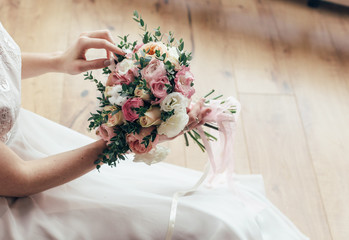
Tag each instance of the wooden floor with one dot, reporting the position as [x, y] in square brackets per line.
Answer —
[288, 65]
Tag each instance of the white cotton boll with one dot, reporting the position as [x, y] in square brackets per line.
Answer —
[174, 125]
[113, 91]
[119, 100]
[157, 154]
[118, 89]
[114, 94]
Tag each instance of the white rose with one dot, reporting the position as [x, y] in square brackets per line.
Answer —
[174, 101]
[124, 66]
[155, 155]
[172, 56]
[174, 125]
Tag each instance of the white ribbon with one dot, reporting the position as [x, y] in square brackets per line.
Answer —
[175, 198]
[220, 113]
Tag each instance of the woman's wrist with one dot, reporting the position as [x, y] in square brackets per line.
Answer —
[34, 64]
[98, 147]
[55, 62]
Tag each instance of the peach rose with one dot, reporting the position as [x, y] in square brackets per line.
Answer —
[114, 119]
[151, 47]
[134, 141]
[142, 94]
[151, 117]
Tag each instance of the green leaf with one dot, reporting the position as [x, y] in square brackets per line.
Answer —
[202, 147]
[166, 115]
[211, 126]
[186, 139]
[181, 46]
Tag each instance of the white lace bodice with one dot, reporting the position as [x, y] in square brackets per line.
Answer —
[10, 84]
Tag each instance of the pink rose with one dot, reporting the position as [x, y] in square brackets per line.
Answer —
[154, 70]
[106, 133]
[158, 87]
[128, 108]
[134, 141]
[183, 82]
[124, 73]
[116, 79]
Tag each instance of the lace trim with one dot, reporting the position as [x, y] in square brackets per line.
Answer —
[6, 123]
[10, 69]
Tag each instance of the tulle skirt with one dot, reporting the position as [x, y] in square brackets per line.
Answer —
[133, 200]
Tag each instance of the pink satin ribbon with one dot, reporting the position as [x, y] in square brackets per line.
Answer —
[221, 159]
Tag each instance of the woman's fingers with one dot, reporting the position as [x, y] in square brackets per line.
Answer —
[194, 112]
[87, 43]
[101, 34]
[84, 65]
[200, 119]
[197, 115]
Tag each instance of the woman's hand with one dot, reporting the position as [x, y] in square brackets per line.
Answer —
[73, 60]
[197, 114]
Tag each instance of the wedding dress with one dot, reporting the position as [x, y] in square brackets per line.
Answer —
[131, 201]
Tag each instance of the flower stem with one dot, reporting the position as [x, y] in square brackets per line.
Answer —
[211, 126]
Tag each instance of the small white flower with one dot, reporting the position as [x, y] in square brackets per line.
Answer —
[174, 101]
[125, 65]
[174, 125]
[112, 65]
[172, 56]
[127, 51]
[155, 155]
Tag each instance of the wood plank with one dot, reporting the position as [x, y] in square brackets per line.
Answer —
[249, 30]
[278, 150]
[213, 58]
[318, 67]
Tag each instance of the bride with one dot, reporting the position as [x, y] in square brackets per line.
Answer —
[50, 191]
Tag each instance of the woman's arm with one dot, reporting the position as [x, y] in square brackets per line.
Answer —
[19, 178]
[73, 60]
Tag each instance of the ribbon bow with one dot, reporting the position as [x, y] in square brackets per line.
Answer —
[224, 114]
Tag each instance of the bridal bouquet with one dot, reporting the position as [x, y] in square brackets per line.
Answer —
[146, 96]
